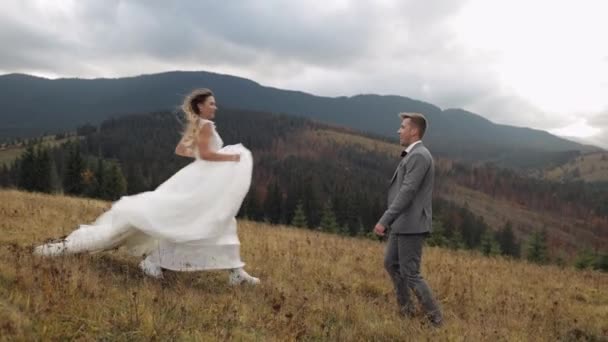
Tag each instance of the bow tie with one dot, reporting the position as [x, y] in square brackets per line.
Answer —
[403, 153]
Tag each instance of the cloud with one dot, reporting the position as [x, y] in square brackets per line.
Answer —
[331, 48]
[214, 33]
[600, 121]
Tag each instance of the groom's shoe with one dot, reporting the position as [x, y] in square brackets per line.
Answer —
[435, 319]
[407, 311]
[239, 276]
[150, 269]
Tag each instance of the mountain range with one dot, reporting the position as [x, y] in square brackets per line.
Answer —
[32, 105]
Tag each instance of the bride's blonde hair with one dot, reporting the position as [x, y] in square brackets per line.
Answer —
[190, 109]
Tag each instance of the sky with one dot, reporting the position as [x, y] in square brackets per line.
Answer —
[535, 63]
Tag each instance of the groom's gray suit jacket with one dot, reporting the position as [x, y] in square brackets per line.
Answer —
[410, 194]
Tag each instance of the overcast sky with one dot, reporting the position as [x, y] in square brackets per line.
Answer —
[534, 63]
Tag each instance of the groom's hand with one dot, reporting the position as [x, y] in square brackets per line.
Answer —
[379, 229]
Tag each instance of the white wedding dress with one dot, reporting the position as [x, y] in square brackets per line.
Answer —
[187, 224]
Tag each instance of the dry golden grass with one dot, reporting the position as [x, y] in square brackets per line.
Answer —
[314, 287]
[592, 167]
[353, 140]
[9, 154]
[568, 234]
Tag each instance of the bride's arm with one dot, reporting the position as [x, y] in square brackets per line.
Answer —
[204, 137]
[182, 150]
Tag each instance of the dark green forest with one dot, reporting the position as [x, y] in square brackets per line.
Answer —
[297, 180]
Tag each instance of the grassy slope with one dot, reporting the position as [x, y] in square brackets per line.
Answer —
[592, 167]
[566, 234]
[314, 286]
[9, 154]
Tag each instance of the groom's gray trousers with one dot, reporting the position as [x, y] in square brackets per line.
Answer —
[402, 261]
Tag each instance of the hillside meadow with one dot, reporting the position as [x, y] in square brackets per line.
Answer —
[591, 167]
[315, 286]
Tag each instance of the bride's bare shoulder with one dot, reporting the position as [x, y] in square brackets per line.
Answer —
[203, 122]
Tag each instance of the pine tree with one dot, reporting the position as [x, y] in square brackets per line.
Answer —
[14, 173]
[456, 240]
[89, 183]
[26, 169]
[352, 220]
[537, 247]
[115, 184]
[601, 262]
[54, 178]
[310, 199]
[328, 219]
[585, 259]
[72, 181]
[36, 171]
[273, 206]
[506, 241]
[255, 211]
[5, 179]
[98, 186]
[136, 181]
[469, 229]
[489, 245]
[42, 171]
[438, 237]
[299, 217]
[361, 231]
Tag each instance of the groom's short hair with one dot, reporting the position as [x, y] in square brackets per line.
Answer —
[417, 119]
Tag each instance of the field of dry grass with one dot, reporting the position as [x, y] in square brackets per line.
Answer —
[591, 167]
[314, 287]
[10, 153]
[567, 234]
[353, 140]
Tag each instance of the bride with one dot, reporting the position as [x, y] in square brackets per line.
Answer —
[188, 223]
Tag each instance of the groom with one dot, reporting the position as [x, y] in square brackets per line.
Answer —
[409, 217]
